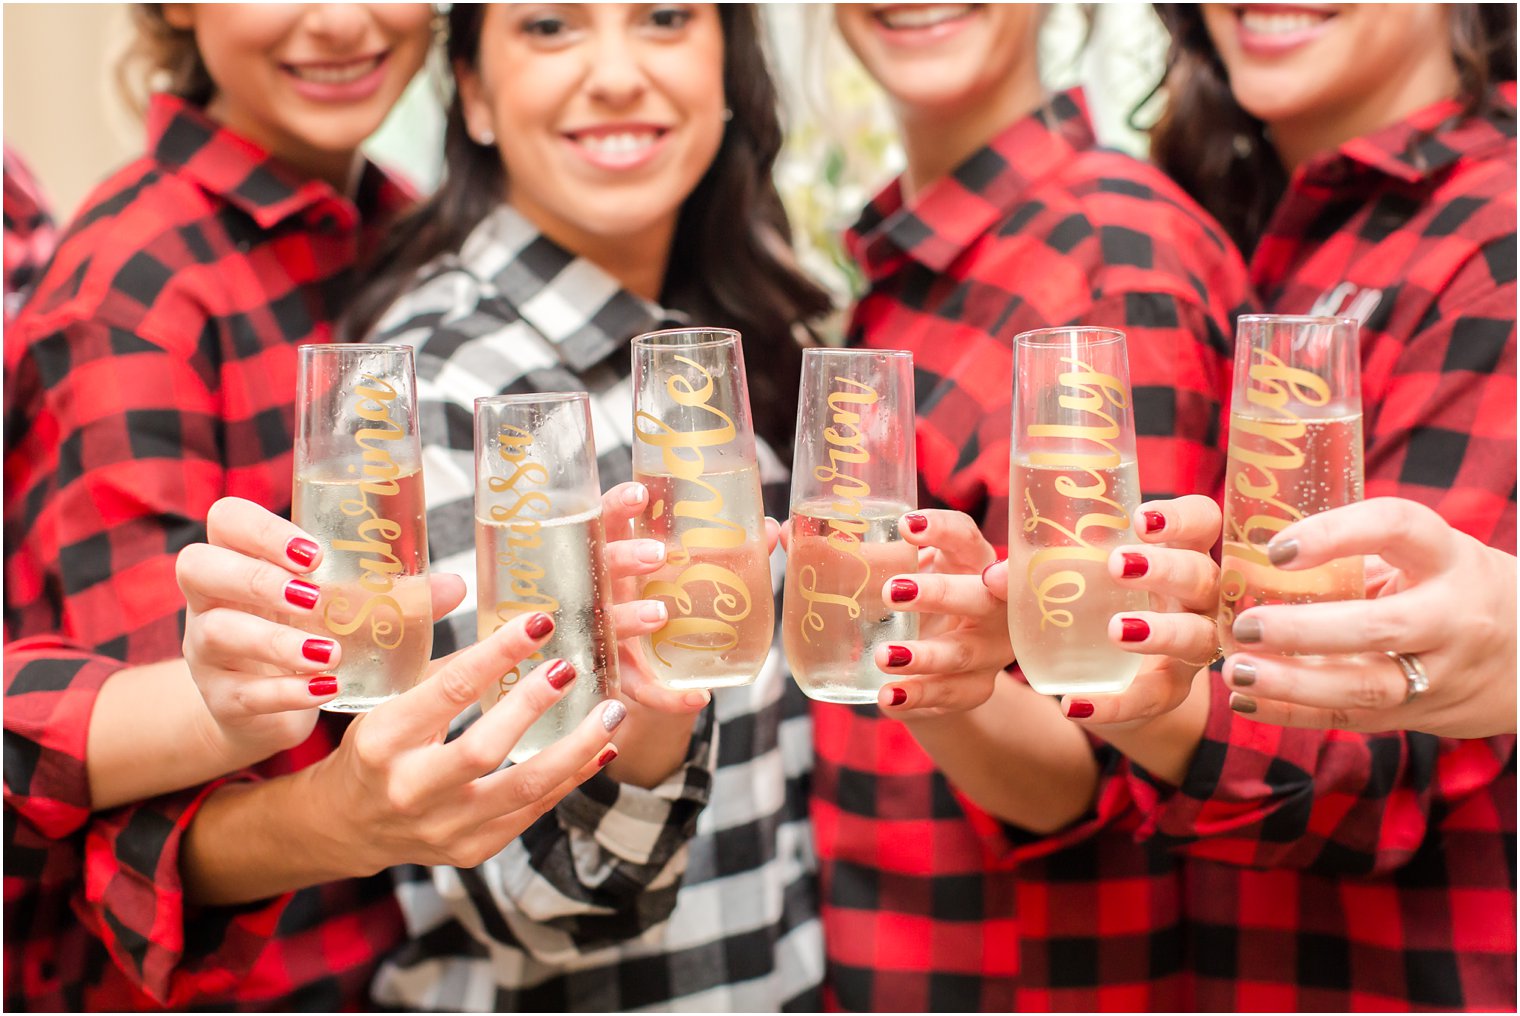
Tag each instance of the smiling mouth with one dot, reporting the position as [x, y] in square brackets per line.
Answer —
[919, 16]
[623, 143]
[337, 72]
[1266, 21]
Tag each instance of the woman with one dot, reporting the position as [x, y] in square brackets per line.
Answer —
[1007, 218]
[152, 373]
[1391, 197]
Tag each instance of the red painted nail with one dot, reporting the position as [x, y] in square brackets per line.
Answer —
[606, 756]
[916, 523]
[899, 656]
[903, 590]
[301, 550]
[324, 685]
[539, 626]
[1135, 565]
[899, 696]
[1133, 630]
[560, 674]
[300, 593]
[318, 650]
[1079, 709]
[1154, 522]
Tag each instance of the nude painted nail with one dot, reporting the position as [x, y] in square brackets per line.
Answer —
[1282, 551]
[1242, 703]
[1247, 629]
[1243, 675]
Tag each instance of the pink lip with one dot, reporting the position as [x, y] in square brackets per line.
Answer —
[617, 161]
[913, 37]
[347, 91]
[1259, 44]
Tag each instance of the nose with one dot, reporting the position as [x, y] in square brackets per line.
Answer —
[616, 75]
[342, 26]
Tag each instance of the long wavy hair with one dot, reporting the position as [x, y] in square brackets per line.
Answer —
[731, 261]
[1222, 156]
[161, 57]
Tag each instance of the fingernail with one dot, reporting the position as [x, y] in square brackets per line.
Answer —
[1244, 674]
[1135, 565]
[318, 650]
[635, 494]
[899, 696]
[300, 593]
[903, 590]
[988, 569]
[613, 713]
[1282, 551]
[653, 611]
[1079, 709]
[1247, 629]
[1242, 703]
[916, 523]
[1154, 522]
[301, 550]
[899, 656]
[697, 699]
[324, 685]
[1132, 629]
[605, 757]
[539, 626]
[651, 552]
[560, 674]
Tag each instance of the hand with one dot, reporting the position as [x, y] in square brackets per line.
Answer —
[1432, 591]
[396, 792]
[257, 675]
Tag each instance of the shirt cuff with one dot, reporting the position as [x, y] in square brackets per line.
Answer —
[134, 902]
[51, 688]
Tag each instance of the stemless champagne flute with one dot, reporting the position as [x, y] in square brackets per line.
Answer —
[539, 546]
[1072, 489]
[358, 490]
[1295, 450]
[853, 477]
[694, 448]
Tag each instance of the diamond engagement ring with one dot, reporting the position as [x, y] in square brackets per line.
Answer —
[1414, 675]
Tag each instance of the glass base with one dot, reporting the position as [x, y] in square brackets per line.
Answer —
[354, 705]
[709, 683]
[841, 695]
[1078, 687]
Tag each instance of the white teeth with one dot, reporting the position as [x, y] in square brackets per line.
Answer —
[922, 17]
[626, 143]
[1279, 22]
[330, 75]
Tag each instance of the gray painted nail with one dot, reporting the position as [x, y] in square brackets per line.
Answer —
[613, 713]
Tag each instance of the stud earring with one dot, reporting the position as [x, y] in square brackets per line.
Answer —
[485, 138]
[728, 114]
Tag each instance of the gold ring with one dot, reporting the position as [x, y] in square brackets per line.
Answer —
[1218, 655]
[1415, 677]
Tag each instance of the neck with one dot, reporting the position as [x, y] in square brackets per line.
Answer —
[936, 140]
[638, 263]
[1300, 139]
[339, 169]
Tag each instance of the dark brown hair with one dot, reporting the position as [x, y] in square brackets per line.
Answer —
[731, 263]
[1222, 156]
[161, 50]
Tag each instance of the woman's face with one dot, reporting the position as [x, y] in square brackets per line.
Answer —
[606, 115]
[309, 82]
[942, 58]
[1354, 66]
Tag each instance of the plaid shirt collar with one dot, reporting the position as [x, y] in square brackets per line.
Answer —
[949, 215]
[1425, 144]
[184, 140]
[585, 313]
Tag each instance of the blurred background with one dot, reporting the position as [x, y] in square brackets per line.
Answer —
[64, 110]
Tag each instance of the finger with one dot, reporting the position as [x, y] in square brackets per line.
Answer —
[1406, 534]
[251, 529]
[498, 832]
[620, 506]
[995, 579]
[956, 595]
[235, 640]
[1288, 714]
[785, 536]
[529, 783]
[447, 591]
[1363, 681]
[772, 534]
[962, 547]
[943, 692]
[247, 695]
[1156, 689]
[1188, 576]
[210, 575]
[1407, 622]
[485, 744]
[638, 617]
[419, 714]
[634, 687]
[628, 558]
[1192, 522]
[956, 652]
[1186, 637]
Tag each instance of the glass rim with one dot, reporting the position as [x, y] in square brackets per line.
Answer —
[890, 354]
[531, 398]
[1297, 319]
[1045, 336]
[313, 348]
[659, 339]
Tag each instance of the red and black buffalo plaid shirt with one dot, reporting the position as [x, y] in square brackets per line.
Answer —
[1390, 858]
[153, 372]
[29, 234]
[928, 903]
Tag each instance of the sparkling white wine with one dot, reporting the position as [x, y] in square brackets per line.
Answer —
[1063, 523]
[1281, 470]
[557, 567]
[375, 599]
[833, 616]
[716, 580]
